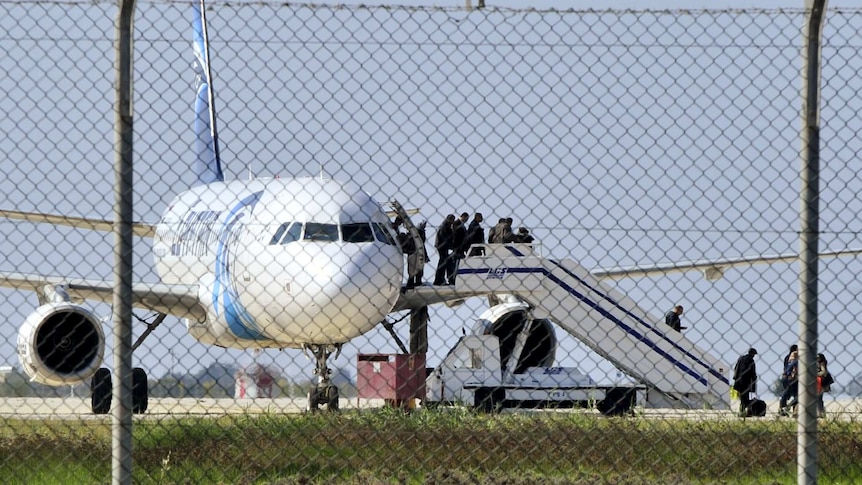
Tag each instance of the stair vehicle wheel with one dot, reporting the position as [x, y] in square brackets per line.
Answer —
[101, 392]
[488, 399]
[617, 402]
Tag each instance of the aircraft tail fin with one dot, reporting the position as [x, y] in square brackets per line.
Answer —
[207, 163]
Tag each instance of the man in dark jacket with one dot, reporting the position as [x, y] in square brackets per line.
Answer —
[672, 320]
[443, 244]
[745, 380]
[476, 234]
[459, 235]
[459, 247]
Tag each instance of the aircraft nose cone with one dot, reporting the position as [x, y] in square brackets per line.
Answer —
[353, 294]
[331, 293]
[352, 285]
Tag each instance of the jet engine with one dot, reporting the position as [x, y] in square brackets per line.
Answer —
[61, 344]
[531, 341]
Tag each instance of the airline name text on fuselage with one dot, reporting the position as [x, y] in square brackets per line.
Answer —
[196, 234]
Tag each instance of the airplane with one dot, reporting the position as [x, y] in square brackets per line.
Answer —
[304, 262]
[308, 263]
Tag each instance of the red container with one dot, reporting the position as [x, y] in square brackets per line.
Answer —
[396, 378]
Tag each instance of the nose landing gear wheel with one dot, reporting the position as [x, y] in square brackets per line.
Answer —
[332, 398]
[324, 393]
[326, 396]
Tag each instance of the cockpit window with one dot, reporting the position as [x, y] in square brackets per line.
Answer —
[293, 233]
[357, 233]
[315, 231]
[286, 233]
[279, 233]
[382, 234]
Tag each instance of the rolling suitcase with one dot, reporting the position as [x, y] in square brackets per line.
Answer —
[757, 408]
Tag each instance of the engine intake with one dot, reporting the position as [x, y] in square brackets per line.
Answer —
[61, 344]
[507, 322]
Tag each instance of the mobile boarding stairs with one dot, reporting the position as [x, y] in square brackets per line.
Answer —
[676, 372]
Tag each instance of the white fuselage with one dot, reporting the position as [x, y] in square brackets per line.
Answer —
[281, 262]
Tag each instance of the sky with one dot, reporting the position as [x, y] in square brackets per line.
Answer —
[616, 142]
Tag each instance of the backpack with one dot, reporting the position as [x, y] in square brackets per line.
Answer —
[828, 380]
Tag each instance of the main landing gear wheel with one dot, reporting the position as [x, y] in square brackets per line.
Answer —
[323, 393]
[140, 391]
[101, 392]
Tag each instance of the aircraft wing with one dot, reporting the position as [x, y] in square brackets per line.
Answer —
[178, 300]
[712, 269]
[430, 295]
[138, 228]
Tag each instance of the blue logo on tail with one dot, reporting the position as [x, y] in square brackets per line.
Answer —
[207, 163]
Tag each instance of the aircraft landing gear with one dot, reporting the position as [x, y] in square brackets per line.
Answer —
[101, 391]
[323, 393]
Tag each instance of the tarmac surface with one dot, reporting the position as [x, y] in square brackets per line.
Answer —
[76, 408]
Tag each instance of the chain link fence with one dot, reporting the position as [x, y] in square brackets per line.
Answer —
[652, 156]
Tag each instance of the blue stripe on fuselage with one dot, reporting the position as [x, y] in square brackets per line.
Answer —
[240, 322]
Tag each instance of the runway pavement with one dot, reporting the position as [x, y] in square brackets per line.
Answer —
[79, 408]
[76, 407]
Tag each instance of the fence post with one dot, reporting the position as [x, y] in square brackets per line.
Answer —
[806, 452]
[121, 418]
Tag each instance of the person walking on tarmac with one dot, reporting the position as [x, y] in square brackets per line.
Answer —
[824, 383]
[790, 376]
[745, 380]
[784, 381]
